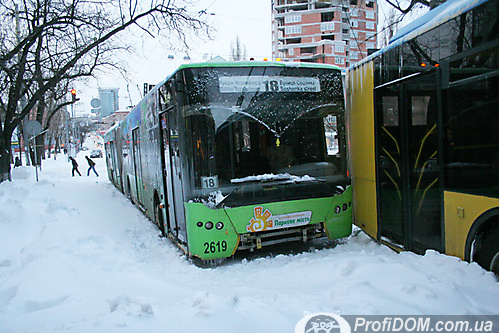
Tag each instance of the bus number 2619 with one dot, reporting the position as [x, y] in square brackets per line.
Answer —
[213, 247]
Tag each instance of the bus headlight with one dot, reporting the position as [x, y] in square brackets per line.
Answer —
[219, 225]
[209, 225]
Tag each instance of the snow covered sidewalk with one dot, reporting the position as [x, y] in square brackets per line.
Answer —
[76, 256]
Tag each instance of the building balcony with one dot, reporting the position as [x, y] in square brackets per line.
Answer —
[285, 46]
[319, 4]
[309, 56]
[289, 39]
[291, 2]
[295, 5]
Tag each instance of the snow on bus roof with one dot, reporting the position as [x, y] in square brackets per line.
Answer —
[441, 14]
[258, 64]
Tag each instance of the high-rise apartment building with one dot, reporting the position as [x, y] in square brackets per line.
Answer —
[109, 101]
[338, 32]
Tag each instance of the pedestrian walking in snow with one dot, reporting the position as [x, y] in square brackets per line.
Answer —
[75, 166]
[91, 166]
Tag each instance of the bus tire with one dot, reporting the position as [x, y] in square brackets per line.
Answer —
[487, 255]
[158, 217]
[129, 192]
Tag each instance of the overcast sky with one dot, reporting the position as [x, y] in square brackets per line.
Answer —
[248, 20]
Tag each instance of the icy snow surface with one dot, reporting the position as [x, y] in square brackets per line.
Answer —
[76, 256]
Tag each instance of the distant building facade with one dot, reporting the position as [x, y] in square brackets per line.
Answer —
[109, 99]
[338, 32]
[107, 122]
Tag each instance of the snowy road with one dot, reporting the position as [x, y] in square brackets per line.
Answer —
[76, 256]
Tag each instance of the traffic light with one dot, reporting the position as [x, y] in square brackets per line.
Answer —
[73, 94]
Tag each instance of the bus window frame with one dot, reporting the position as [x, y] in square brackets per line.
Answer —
[446, 65]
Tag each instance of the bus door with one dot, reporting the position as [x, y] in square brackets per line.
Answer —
[137, 164]
[167, 174]
[409, 197]
[117, 164]
[176, 167]
[424, 197]
[389, 163]
[111, 160]
[176, 194]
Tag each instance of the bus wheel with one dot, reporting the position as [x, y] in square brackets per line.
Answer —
[129, 191]
[494, 265]
[488, 254]
[158, 217]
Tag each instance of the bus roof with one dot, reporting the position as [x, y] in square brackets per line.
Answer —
[443, 13]
[258, 64]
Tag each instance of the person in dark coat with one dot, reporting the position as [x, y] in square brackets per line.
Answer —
[75, 166]
[91, 166]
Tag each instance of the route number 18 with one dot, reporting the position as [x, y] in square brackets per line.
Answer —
[209, 182]
[272, 85]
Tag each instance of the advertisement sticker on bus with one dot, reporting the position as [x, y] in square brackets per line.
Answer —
[264, 220]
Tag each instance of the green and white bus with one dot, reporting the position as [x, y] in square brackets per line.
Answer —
[235, 156]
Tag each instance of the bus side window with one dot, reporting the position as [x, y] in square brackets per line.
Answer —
[165, 96]
[331, 133]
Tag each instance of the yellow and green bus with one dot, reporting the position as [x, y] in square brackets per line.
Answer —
[423, 134]
[236, 156]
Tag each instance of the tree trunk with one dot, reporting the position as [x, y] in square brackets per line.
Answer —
[5, 152]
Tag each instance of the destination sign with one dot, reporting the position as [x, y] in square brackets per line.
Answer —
[238, 84]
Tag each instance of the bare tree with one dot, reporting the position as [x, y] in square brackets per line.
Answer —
[391, 21]
[405, 6]
[49, 111]
[46, 42]
[238, 50]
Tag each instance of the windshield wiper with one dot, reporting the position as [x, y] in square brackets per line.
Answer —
[269, 180]
[253, 179]
[218, 205]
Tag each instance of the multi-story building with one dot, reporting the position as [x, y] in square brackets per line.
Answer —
[339, 32]
[107, 122]
[109, 101]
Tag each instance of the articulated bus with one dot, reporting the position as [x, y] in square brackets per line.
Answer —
[227, 156]
[423, 134]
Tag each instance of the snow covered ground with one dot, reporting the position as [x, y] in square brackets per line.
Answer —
[76, 256]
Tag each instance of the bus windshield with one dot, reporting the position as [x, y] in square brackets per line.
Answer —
[255, 129]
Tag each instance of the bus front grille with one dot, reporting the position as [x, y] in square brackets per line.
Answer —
[258, 240]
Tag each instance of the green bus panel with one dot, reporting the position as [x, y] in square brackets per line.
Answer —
[206, 241]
